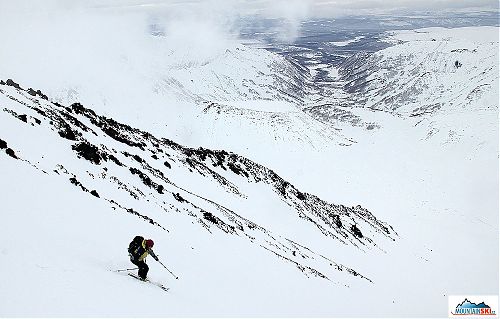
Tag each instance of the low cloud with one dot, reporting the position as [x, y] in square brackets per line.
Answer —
[73, 36]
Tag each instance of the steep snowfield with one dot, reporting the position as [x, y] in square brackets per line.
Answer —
[432, 176]
[175, 194]
[62, 245]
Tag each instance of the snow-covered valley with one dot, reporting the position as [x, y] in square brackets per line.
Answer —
[266, 192]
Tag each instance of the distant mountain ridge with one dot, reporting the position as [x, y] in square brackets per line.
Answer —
[427, 76]
[431, 72]
[239, 73]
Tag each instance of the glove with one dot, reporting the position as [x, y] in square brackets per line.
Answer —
[151, 252]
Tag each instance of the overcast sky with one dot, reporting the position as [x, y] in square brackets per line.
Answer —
[310, 8]
[209, 19]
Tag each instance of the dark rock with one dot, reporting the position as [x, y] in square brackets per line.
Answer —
[190, 162]
[126, 154]
[132, 211]
[160, 189]
[143, 176]
[31, 92]
[337, 221]
[94, 192]
[115, 160]
[80, 109]
[108, 126]
[37, 92]
[167, 164]
[3, 144]
[218, 157]
[235, 168]
[74, 121]
[39, 111]
[355, 230]
[88, 151]
[282, 186]
[12, 83]
[43, 96]
[138, 158]
[22, 117]
[75, 182]
[11, 153]
[211, 218]
[178, 197]
[146, 180]
[301, 196]
[67, 133]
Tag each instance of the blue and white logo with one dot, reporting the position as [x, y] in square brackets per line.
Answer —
[473, 306]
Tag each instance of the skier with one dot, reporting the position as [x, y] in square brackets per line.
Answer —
[138, 250]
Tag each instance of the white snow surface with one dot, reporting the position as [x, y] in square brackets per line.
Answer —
[346, 42]
[95, 57]
[434, 178]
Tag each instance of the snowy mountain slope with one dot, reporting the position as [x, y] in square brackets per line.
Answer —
[62, 242]
[165, 82]
[440, 194]
[240, 73]
[162, 69]
[433, 176]
[426, 72]
[431, 70]
[267, 129]
[153, 178]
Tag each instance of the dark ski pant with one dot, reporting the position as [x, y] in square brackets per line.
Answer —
[143, 267]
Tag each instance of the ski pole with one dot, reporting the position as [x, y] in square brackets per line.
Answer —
[126, 269]
[167, 269]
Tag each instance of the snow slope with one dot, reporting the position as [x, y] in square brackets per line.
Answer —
[187, 63]
[433, 69]
[430, 173]
[175, 190]
[433, 174]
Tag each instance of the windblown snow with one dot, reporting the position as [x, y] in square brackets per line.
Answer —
[266, 193]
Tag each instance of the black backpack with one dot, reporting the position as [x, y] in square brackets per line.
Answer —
[134, 244]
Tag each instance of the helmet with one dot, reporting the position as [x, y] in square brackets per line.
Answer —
[149, 243]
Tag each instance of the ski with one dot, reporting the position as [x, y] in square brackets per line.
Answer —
[149, 281]
[122, 270]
